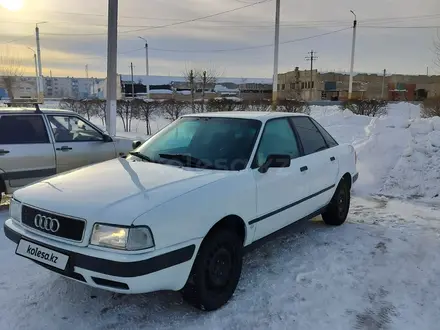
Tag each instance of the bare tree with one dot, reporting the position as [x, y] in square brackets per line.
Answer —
[431, 107]
[70, 104]
[190, 77]
[88, 108]
[172, 109]
[11, 71]
[200, 79]
[145, 111]
[100, 110]
[123, 110]
[208, 78]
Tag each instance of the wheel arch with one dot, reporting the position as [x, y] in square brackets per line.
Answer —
[231, 222]
[347, 177]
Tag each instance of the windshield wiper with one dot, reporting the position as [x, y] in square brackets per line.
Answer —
[141, 156]
[187, 159]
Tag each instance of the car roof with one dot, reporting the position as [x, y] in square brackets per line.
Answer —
[257, 115]
[29, 110]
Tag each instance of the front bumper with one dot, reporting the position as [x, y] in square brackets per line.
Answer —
[164, 270]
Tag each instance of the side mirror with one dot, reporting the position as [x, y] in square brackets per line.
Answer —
[107, 138]
[275, 160]
[135, 144]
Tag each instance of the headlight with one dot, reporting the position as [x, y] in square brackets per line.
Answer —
[123, 238]
[15, 210]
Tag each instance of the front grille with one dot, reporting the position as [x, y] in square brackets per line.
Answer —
[69, 228]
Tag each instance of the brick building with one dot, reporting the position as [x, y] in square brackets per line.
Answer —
[334, 86]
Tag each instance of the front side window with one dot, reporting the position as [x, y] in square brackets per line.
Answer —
[206, 142]
[22, 129]
[278, 138]
[311, 139]
[73, 129]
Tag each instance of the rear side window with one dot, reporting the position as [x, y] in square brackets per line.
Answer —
[311, 138]
[22, 129]
[331, 142]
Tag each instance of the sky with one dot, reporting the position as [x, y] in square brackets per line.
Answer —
[396, 35]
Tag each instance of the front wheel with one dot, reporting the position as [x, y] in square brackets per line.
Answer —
[337, 211]
[216, 271]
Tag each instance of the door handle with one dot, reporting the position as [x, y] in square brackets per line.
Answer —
[332, 158]
[64, 148]
[3, 152]
[304, 168]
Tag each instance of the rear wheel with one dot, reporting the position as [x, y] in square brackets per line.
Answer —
[216, 271]
[337, 211]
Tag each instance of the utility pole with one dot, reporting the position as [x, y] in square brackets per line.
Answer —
[147, 67]
[297, 84]
[427, 70]
[132, 81]
[383, 83]
[311, 58]
[36, 76]
[275, 56]
[353, 46]
[191, 85]
[203, 90]
[112, 57]
[40, 69]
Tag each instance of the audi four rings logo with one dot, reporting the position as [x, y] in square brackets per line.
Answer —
[46, 223]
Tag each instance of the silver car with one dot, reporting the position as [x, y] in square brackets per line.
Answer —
[35, 144]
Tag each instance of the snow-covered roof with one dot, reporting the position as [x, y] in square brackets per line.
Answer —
[166, 80]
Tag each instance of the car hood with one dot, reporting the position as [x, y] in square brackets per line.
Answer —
[116, 191]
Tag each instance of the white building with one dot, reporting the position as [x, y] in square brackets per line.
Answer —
[23, 88]
[70, 87]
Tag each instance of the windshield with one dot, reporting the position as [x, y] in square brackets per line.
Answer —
[205, 142]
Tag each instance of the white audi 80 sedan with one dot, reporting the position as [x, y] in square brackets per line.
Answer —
[179, 212]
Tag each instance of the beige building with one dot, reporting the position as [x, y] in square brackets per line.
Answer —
[334, 86]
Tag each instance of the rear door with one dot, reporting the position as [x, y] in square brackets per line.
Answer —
[26, 153]
[321, 160]
[78, 143]
[279, 190]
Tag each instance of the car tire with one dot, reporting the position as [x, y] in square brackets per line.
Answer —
[216, 271]
[337, 211]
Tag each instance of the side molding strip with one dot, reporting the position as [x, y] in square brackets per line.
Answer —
[270, 214]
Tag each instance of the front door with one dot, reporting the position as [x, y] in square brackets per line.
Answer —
[77, 143]
[279, 190]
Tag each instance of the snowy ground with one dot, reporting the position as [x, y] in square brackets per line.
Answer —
[381, 270]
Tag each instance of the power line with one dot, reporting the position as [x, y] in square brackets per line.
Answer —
[14, 40]
[244, 48]
[171, 24]
[400, 27]
[222, 50]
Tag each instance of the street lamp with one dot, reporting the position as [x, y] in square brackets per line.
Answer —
[36, 71]
[40, 69]
[350, 86]
[147, 68]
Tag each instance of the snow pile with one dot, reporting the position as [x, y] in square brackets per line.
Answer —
[398, 154]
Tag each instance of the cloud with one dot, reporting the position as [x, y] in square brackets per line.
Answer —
[76, 35]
